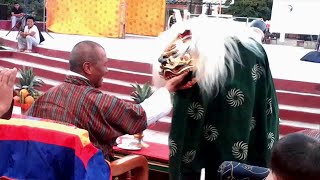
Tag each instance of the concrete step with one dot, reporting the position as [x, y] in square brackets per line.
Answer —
[59, 74]
[133, 66]
[300, 117]
[116, 69]
[293, 105]
[287, 126]
[297, 86]
[123, 87]
[131, 71]
[298, 99]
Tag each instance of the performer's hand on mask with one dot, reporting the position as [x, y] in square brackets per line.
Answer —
[189, 84]
[174, 84]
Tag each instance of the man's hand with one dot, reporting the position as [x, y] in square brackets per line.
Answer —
[20, 15]
[174, 84]
[7, 80]
[189, 84]
[22, 34]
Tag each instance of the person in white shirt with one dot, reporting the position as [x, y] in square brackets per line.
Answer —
[29, 37]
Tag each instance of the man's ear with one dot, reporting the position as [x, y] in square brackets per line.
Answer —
[87, 68]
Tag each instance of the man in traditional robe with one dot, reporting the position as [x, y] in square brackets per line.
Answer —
[231, 114]
[77, 101]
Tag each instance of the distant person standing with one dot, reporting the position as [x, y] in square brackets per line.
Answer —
[172, 19]
[259, 28]
[16, 14]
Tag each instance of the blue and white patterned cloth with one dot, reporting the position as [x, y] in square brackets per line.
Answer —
[230, 170]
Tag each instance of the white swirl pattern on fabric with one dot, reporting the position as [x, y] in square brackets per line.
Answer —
[269, 106]
[256, 72]
[271, 139]
[210, 133]
[252, 123]
[235, 97]
[195, 111]
[189, 156]
[240, 150]
[173, 147]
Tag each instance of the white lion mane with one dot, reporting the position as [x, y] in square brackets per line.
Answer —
[211, 37]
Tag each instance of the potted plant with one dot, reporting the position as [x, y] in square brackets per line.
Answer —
[27, 91]
[139, 94]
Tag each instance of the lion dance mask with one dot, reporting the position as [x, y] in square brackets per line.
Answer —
[205, 48]
[176, 58]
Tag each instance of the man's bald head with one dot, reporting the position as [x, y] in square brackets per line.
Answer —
[84, 51]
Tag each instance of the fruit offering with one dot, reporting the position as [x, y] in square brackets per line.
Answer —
[24, 97]
[27, 91]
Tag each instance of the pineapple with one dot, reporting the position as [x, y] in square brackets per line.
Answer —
[26, 93]
[141, 93]
[28, 81]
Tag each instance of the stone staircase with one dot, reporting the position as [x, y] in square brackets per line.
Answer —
[299, 101]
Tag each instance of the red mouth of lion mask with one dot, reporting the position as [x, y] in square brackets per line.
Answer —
[176, 58]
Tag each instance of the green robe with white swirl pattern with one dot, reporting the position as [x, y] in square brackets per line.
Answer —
[241, 123]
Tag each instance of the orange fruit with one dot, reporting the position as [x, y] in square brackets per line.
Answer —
[16, 99]
[24, 93]
[29, 100]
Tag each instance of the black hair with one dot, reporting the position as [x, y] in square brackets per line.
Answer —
[259, 24]
[30, 17]
[296, 157]
[82, 52]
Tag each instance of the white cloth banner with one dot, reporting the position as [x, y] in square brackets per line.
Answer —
[295, 16]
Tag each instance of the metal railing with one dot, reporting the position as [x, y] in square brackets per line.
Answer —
[209, 6]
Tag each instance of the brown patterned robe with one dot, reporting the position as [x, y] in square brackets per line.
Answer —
[105, 117]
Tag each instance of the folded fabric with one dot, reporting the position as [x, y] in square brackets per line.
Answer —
[31, 149]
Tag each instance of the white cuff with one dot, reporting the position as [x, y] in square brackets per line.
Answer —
[157, 105]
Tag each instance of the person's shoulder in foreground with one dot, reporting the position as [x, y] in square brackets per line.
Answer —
[295, 157]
